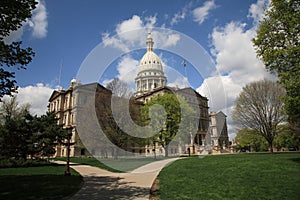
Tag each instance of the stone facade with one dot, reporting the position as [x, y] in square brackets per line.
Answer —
[218, 131]
[62, 103]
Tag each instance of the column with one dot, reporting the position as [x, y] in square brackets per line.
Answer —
[147, 86]
[153, 86]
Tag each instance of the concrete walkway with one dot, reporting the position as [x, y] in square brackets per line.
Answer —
[102, 184]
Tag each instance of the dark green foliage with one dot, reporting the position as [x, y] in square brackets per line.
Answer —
[9, 163]
[178, 113]
[30, 136]
[287, 138]
[13, 14]
[278, 45]
[23, 135]
[173, 116]
[15, 135]
[251, 138]
[45, 135]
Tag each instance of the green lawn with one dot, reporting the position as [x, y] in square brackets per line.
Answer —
[238, 176]
[114, 165]
[44, 182]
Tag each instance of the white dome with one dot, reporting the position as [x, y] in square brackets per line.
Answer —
[150, 62]
[73, 80]
[150, 73]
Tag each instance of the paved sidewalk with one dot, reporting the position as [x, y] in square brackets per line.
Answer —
[101, 184]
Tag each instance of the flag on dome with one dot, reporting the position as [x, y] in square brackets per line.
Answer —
[184, 63]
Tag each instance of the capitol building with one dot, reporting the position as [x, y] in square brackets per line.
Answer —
[150, 81]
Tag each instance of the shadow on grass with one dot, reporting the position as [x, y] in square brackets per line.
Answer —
[109, 188]
[38, 186]
[297, 160]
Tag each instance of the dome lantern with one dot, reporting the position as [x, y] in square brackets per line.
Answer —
[149, 42]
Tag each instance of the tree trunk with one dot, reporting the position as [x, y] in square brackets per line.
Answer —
[166, 151]
[115, 153]
[154, 152]
[271, 148]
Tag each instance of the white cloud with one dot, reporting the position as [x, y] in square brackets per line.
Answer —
[257, 10]
[132, 33]
[38, 24]
[14, 35]
[236, 63]
[127, 69]
[221, 92]
[37, 96]
[178, 17]
[179, 82]
[169, 40]
[175, 79]
[128, 29]
[38, 21]
[106, 81]
[114, 42]
[201, 13]
[235, 54]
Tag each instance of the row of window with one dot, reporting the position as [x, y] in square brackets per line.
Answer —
[150, 73]
[157, 62]
[56, 106]
[67, 121]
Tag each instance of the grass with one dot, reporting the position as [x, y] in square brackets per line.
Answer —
[238, 176]
[113, 165]
[41, 182]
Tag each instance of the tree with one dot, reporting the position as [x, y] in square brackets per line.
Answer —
[278, 45]
[114, 119]
[249, 138]
[177, 112]
[46, 134]
[10, 109]
[13, 14]
[14, 131]
[259, 106]
[23, 135]
[286, 138]
[119, 88]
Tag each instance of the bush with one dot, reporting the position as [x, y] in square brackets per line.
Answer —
[7, 163]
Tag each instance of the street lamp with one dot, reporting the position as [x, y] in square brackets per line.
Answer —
[67, 172]
[154, 148]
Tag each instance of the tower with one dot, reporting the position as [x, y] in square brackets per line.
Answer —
[150, 73]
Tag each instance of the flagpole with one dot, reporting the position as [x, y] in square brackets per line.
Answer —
[184, 65]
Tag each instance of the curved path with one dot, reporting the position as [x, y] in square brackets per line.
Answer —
[102, 184]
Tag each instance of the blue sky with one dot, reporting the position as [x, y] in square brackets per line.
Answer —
[64, 32]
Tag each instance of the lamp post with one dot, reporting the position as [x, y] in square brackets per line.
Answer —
[154, 148]
[67, 172]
